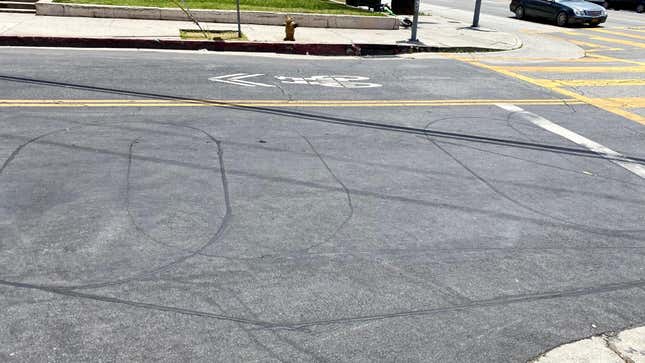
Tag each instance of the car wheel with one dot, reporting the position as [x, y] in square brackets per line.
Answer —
[640, 8]
[519, 12]
[562, 19]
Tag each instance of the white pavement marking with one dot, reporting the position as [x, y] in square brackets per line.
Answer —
[330, 81]
[324, 80]
[236, 79]
[613, 156]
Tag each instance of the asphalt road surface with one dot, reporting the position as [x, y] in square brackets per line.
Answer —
[185, 206]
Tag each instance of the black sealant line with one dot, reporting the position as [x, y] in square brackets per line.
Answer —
[343, 121]
[303, 325]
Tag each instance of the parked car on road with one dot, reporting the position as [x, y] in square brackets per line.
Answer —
[562, 12]
[638, 5]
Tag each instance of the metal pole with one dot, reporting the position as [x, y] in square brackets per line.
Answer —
[239, 23]
[415, 21]
[478, 6]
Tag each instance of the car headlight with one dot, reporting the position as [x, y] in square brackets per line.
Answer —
[603, 12]
[578, 12]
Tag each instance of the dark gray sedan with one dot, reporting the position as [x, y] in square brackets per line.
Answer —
[562, 12]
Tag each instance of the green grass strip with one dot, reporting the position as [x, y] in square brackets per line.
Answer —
[287, 6]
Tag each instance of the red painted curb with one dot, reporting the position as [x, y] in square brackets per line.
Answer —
[221, 46]
[288, 48]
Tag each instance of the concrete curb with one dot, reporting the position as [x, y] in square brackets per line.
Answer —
[337, 49]
[626, 346]
[49, 8]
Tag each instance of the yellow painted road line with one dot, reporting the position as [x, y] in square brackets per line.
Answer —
[569, 32]
[614, 59]
[620, 41]
[599, 82]
[591, 47]
[548, 32]
[286, 102]
[57, 105]
[633, 28]
[584, 44]
[71, 105]
[556, 69]
[622, 34]
[587, 59]
[609, 106]
[603, 50]
[331, 103]
[628, 102]
[106, 101]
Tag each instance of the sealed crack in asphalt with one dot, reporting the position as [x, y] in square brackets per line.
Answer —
[303, 325]
[348, 196]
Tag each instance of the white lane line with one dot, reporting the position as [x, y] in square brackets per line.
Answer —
[613, 156]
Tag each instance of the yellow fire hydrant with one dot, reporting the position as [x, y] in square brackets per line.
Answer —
[290, 29]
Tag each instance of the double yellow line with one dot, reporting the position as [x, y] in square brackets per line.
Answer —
[280, 103]
[581, 69]
[597, 82]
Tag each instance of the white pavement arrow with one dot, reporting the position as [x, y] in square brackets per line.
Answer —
[237, 79]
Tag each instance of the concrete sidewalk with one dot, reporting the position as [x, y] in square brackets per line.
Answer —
[627, 346]
[434, 31]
